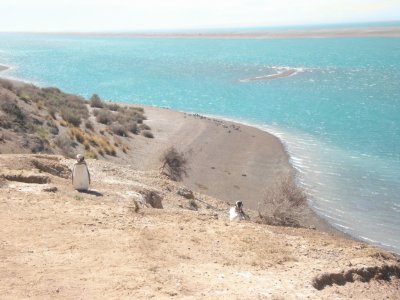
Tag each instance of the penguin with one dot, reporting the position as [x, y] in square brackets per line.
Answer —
[80, 174]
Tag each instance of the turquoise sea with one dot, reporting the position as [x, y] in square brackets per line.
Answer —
[338, 114]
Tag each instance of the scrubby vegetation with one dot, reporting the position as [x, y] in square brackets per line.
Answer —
[49, 120]
[174, 164]
[284, 204]
[121, 120]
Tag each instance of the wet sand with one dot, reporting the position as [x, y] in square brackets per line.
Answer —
[3, 68]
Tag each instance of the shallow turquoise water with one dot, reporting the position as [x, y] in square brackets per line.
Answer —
[339, 115]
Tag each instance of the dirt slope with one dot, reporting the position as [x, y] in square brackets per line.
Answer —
[70, 245]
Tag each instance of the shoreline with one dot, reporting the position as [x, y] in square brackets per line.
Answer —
[259, 159]
[3, 68]
[371, 31]
[244, 175]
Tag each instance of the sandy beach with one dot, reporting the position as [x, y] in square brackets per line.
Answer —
[227, 160]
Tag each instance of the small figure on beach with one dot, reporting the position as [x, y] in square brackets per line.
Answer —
[80, 174]
[236, 212]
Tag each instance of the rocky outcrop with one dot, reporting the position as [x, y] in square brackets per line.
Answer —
[364, 274]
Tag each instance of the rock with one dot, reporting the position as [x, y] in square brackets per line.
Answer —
[188, 194]
[53, 168]
[152, 198]
[51, 189]
[25, 177]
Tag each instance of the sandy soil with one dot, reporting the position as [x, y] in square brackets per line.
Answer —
[70, 245]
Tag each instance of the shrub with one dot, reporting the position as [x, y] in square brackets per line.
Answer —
[65, 144]
[86, 144]
[52, 112]
[42, 132]
[193, 205]
[174, 164]
[53, 129]
[70, 117]
[91, 154]
[40, 104]
[104, 117]
[148, 134]
[113, 107]
[95, 101]
[118, 130]
[13, 110]
[8, 85]
[284, 204]
[89, 125]
[144, 127]
[51, 90]
[78, 134]
[132, 127]
[25, 98]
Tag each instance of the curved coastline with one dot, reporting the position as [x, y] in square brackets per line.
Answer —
[316, 219]
[277, 161]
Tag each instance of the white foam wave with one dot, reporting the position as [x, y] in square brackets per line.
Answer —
[280, 72]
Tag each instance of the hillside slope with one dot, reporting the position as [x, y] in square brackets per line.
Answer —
[47, 120]
[106, 245]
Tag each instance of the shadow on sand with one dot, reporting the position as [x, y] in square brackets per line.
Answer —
[91, 192]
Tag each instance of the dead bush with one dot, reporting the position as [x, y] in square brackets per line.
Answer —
[284, 204]
[174, 164]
